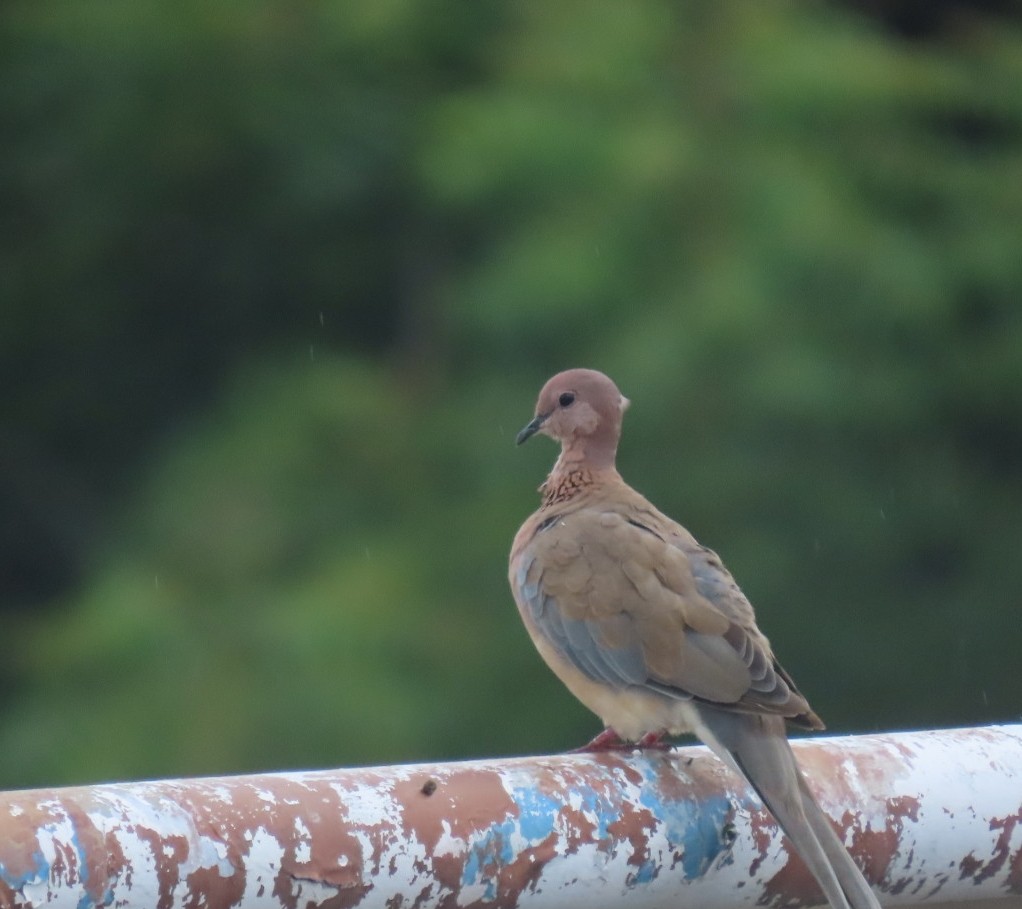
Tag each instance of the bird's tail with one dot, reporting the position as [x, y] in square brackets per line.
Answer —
[758, 747]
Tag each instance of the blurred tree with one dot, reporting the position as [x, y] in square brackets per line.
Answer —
[184, 184]
[283, 284]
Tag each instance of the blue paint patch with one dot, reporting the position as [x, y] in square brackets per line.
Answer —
[40, 872]
[538, 813]
[471, 869]
[539, 817]
[697, 829]
[600, 809]
[83, 865]
[85, 901]
[703, 844]
[646, 873]
[490, 852]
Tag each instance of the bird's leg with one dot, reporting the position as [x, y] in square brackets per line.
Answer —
[608, 740]
[654, 740]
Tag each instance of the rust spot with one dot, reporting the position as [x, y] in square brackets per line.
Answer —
[482, 789]
[894, 887]
[618, 764]
[342, 900]
[625, 823]
[63, 867]
[1002, 848]
[168, 853]
[674, 779]
[793, 885]
[907, 752]
[424, 819]
[969, 866]
[634, 827]
[877, 849]
[206, 887]
[8, 898]
[941, 880]
[20, 852]
[1014, 880]
[875, 770]
[763, 829]
[91, 849]
[524, 872]
[116, 862]
[447, 870]
[336, 857]
[579, 829]
[103, 858]
[297, 814]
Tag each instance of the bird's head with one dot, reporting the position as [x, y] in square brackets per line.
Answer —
[581, 409]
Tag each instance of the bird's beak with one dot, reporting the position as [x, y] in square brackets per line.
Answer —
[531, 429]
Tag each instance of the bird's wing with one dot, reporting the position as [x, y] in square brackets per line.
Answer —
[629, 604]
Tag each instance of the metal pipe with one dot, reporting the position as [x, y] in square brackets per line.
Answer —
[931, 816]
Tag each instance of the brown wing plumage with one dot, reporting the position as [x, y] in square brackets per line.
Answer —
[630, 598]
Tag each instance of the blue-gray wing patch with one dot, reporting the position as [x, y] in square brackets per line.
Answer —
[579, 641]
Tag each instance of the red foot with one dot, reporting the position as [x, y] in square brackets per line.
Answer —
[609, 740]
[653, 740]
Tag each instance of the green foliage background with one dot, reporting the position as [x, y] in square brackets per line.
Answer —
[281, 281]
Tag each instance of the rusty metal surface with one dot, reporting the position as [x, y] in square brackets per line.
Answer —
[933, 817]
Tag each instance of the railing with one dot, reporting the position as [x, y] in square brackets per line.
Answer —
[932, 817]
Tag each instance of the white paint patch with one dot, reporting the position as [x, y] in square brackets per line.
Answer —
[262, 865]
[448, 843]
[311, 893]
[303, 843]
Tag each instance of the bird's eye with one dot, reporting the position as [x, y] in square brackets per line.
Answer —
[566, 400]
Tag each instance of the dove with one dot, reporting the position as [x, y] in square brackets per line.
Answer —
[648, 629]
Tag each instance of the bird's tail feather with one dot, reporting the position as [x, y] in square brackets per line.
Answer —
[758, 747]
[852, 881]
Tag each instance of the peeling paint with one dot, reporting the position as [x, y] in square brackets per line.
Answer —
[930, 816]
